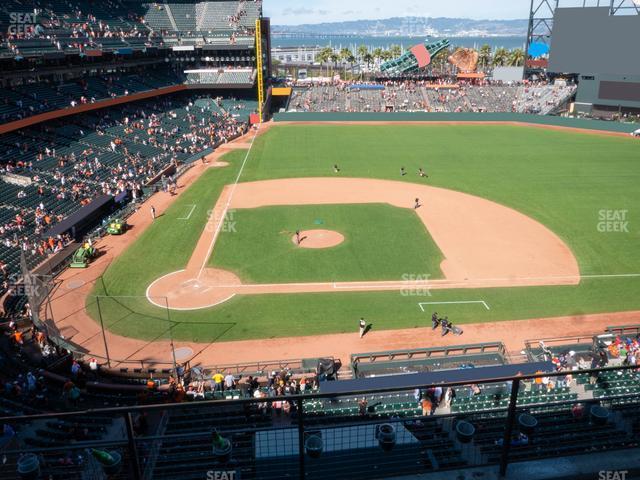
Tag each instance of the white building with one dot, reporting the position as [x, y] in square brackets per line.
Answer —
[295, 55]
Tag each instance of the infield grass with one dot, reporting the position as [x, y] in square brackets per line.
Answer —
[565, 180]
[257, 245]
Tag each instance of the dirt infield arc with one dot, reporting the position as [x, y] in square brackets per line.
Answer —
[485, 244]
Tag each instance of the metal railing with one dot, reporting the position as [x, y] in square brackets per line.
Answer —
[321, 435]
[624, 330]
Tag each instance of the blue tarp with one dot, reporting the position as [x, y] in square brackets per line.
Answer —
[366, 87]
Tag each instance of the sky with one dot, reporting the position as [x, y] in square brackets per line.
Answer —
[293, 12]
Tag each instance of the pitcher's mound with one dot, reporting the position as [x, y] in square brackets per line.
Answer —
[318, 239]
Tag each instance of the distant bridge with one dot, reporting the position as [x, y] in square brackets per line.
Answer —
[313, 35]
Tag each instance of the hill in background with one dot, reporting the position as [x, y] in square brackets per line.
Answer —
[439, 27]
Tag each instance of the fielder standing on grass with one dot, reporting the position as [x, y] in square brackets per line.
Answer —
[298, 236]
[363, 326]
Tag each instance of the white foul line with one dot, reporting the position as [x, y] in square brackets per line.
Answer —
[193, 207]
[452, 303]
[226, 207]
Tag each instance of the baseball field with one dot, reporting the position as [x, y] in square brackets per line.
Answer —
[513, 222]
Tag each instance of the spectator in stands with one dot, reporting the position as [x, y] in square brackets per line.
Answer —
[363, 406]
[303, 385]
[449, 396]
[17, 337]
[577, 411]
[218, 380]
[70, 393]
[252, 385]
[427, 406]
[93, 366]
[229, 381]
[76, 369]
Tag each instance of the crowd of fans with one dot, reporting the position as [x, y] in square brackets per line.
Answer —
[196, 386]
[613, 114]
[22, 101]
[625, 349]
[24, 384]
[423, 95]
[235, 20]
[117, 152]
[76, 27]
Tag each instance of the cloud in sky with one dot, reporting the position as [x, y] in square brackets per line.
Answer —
[291, 12]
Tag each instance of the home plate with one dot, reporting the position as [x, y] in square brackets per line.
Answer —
[193, 283]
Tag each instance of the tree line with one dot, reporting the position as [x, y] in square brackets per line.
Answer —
[487, 57]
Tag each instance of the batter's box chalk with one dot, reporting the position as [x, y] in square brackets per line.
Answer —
[193, 283]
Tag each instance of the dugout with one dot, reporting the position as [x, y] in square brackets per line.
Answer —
[460, 376]
[83, 220]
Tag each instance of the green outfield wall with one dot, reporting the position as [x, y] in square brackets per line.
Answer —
[456, 117]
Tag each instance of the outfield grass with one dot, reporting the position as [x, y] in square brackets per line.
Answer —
[259, 248]
[562, 179]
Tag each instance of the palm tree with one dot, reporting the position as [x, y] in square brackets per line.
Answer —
[344, 53]
[368, 58]
[395, 50]
[362, 51]
[484, 56]
[500, 57]
[516, 58]
[350, 59]
[386, 55]
[377, 53]
[334, 58]
[323, 57]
